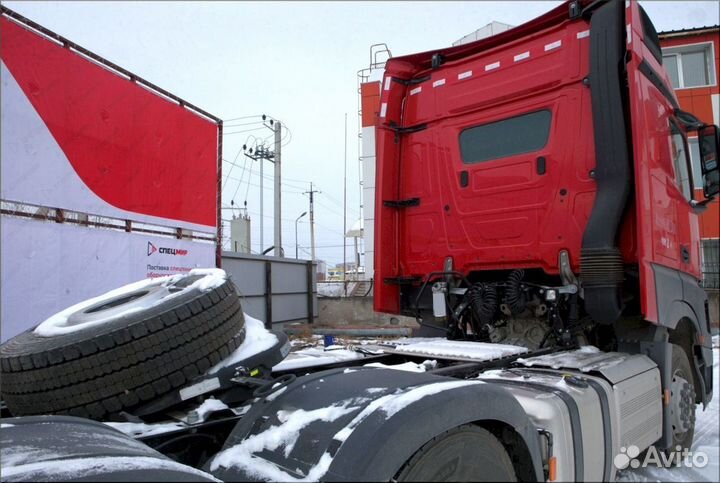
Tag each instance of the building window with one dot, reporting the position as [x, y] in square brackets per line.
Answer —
[711, 263]
[509, 137]
[690, 65]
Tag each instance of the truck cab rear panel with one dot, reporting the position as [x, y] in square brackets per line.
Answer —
[501, 212]
[491, 156]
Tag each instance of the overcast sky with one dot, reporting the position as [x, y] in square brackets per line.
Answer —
[296, 61]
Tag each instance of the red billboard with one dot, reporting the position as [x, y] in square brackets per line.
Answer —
[105, 178]
[110, 145]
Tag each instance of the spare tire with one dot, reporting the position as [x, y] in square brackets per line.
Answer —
[128, 346]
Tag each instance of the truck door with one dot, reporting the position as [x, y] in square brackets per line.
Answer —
[666, 224]
[501, 180]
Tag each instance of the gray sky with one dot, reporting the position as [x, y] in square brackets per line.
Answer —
[296, 61]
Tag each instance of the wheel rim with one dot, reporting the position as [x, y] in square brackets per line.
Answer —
[139, 296]
[682, 404]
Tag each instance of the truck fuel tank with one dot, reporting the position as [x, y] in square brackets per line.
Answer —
[587, 405]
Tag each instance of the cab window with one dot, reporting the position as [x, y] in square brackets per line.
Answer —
[515, 135]
[680, 159]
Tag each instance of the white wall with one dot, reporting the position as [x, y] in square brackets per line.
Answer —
[48, 266]
[368, 174]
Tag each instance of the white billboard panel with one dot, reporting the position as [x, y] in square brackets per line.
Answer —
[48, 266]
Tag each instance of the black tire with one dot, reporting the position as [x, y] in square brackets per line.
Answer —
[682, 390]
[126, 360]
[465, 453]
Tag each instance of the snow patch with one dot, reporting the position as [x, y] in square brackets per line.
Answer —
[585, 359]
[285, 435]
[313, 356]
[88, 467]
[407, 366]
[375, 390]
[141, 430]
[330, 289]
[5, 425]
[257, 340]
[208, 407]
[20, 455]
[476, 351]
[414, 395]
[212, 278]
[392, 403]
[57, 324]
[272, 396]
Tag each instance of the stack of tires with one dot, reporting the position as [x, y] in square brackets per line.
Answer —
[124, 348]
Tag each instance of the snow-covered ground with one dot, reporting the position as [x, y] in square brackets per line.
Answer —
[331, 289]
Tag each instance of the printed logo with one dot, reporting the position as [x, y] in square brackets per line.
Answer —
[151, 249]
[165, 250]
[628, 457]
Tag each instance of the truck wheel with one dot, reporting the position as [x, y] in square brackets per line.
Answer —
[465, 453]
[118, 350]
[682, 400]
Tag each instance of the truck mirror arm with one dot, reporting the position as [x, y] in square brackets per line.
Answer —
[689, 120]
[699, 207]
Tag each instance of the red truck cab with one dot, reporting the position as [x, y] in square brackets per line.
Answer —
[535, 188]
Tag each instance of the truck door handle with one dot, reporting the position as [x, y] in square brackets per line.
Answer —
[685, 253]
[541, 165]
[464, 179]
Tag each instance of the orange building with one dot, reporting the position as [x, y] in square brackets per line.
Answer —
[692, 58]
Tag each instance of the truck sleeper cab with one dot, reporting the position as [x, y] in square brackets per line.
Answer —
[530, 193]
[535, 188]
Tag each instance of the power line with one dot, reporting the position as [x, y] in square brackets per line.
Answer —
[267, 187]
[242, 124]
[241, 117]
[227, 176]
[245, 130]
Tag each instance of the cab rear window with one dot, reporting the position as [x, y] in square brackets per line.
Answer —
[508, 137]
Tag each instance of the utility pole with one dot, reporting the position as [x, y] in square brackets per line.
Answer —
[345, 212]
[261, 153]
[312, 220]
[278, 228]
[262, 211]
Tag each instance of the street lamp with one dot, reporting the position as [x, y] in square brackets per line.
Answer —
[296, 242]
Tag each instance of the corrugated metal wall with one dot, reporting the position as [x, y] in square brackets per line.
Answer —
[274, 289]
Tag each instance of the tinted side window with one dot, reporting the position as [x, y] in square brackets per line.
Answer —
[499, 139]
[679, 155]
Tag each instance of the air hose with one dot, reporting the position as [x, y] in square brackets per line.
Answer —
[514, 297]
[484, 301]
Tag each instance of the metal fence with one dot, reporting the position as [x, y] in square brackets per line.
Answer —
[711, 263]
[274, 290]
